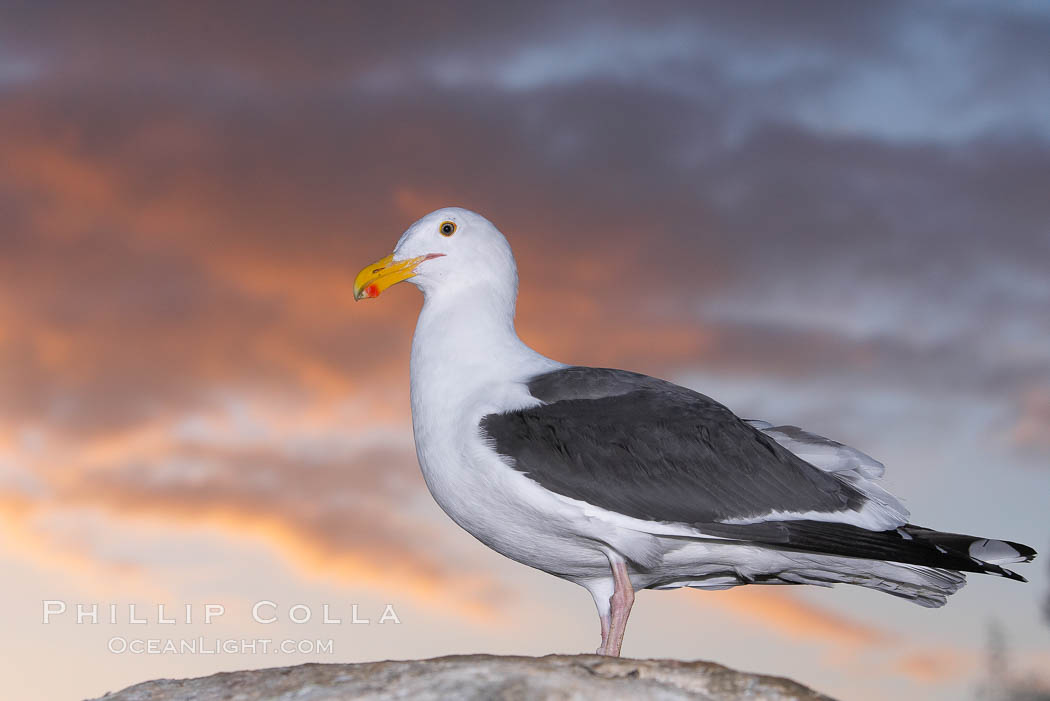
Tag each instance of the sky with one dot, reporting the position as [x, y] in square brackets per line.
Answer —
[827, 214]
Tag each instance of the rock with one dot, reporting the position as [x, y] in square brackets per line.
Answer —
[555, 677]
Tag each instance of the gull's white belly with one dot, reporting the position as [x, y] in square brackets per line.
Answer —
[511, 514]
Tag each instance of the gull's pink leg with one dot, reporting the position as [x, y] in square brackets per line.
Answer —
[620, 603]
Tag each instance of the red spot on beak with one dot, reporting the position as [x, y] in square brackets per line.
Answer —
[371, 291]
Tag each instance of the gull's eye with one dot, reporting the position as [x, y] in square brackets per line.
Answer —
[447, 228]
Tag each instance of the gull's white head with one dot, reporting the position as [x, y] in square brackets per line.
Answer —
[449, 251]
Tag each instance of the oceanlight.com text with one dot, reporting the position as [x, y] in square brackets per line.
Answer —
[119, 645]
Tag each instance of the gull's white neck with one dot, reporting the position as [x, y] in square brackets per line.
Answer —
[466, 354]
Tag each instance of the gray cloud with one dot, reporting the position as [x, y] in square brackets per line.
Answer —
[743, 188]
[826, 213]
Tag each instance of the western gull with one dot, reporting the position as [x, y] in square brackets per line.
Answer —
[618, 481]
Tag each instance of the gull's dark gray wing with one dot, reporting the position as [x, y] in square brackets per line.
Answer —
[653, 450]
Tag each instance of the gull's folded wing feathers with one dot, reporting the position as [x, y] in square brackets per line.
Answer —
[857, 468]
[825, 453]
[653, 450]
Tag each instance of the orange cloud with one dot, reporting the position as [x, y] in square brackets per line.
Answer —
[933, 666]
[858, 644]
[795, 618]
[22, 535]
[325, 498]
[171, 247]
[1031, 429]
[387, 570]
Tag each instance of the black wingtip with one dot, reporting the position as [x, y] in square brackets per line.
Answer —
[1028, 553]
[1009, 574]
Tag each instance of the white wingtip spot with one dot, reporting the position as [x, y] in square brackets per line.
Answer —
[995, 551]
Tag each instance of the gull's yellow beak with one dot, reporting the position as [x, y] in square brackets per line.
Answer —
[385, 273]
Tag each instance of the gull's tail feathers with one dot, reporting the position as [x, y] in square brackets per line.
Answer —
[926, 586]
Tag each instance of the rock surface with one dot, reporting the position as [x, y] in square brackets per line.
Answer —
[470, 677]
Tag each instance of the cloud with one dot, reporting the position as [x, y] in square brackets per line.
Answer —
[868, 650]
[933, 666]
[1032, 428]
[797, 619]
[830, 214]
[340, 506]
